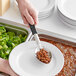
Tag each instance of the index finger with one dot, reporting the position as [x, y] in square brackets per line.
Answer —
[34, 15]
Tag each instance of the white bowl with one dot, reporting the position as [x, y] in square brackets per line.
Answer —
[23, 60]
[67, 11]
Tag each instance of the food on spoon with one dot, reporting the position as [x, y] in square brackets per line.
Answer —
[43, 56]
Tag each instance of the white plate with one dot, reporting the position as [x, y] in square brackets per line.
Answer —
[43, 6]
[42, 17]
[40, 4]
[67, 10]
[67, 7]
[24, 62]
[65, 21]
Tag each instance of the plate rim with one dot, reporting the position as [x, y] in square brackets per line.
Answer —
[65, 13]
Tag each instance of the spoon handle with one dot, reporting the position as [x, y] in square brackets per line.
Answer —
[38, 41]
[33, 29]
[34, 32]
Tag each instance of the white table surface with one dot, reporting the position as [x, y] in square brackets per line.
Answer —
[52, 23]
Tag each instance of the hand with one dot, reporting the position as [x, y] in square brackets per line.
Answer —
[5, 67]
[28, 12]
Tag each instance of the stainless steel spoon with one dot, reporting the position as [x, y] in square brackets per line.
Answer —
[34, 32]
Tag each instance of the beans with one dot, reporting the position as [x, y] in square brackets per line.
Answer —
[43, 56]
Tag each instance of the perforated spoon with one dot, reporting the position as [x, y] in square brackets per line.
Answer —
[34, 32]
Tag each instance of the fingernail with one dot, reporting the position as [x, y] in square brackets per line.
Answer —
[35, 23]
[32, 23]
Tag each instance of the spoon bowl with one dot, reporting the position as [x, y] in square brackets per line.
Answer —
[49, 52]
[43, 55]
